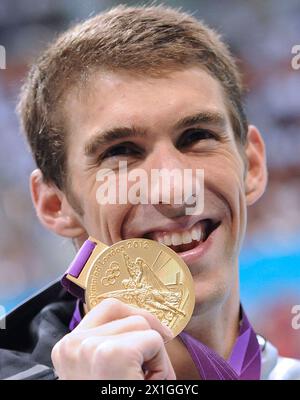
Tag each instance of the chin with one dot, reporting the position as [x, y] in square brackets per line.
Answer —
[210, 292]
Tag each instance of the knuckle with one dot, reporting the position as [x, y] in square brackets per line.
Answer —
[104, 360]
[87, 348]
[68, 345]
[107, 351]
[155, 337]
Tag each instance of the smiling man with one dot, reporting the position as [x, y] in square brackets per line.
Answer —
[157, 89]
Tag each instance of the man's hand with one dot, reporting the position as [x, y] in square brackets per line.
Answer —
[115, 341]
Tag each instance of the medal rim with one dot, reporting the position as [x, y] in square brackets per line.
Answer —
[166, 249]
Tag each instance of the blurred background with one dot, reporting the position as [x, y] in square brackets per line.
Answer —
[261, 34]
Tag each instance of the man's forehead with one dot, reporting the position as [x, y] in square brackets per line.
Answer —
[124, 99]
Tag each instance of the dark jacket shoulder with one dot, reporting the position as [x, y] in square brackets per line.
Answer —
[31, 331]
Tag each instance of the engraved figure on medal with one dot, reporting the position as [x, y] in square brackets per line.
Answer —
[145, 274]
[146, 290]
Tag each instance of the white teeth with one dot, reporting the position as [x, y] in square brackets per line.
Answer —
[186, 237]
[167, 240]
[178, 238]
[197, 233]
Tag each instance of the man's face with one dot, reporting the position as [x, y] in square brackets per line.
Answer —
[161, 112]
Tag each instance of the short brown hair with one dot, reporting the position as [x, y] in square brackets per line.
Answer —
[141, 39]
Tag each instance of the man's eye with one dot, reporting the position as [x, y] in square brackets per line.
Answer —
[191, 136]
[123, 149]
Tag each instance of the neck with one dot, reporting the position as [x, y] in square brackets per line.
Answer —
[216, 326]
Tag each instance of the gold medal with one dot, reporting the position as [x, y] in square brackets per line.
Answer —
[143, 273]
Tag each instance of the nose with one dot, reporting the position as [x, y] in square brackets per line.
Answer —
[169, 186]
[166, 156]
[170, 210]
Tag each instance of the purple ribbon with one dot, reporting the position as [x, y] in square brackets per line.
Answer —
[244, 362]
[76, 267]
[77, 316]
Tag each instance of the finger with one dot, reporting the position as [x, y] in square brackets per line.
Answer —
[64, 360]
[125, 356]
[155, 370]
[112, 309]
[116, 327]
[155, 357]
[82, 340]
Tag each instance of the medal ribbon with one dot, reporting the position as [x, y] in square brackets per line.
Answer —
[244, 362]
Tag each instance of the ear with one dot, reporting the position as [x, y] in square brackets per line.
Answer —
[53, 208]
[256, 176]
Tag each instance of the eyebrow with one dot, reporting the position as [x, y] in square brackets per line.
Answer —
[104, 138]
